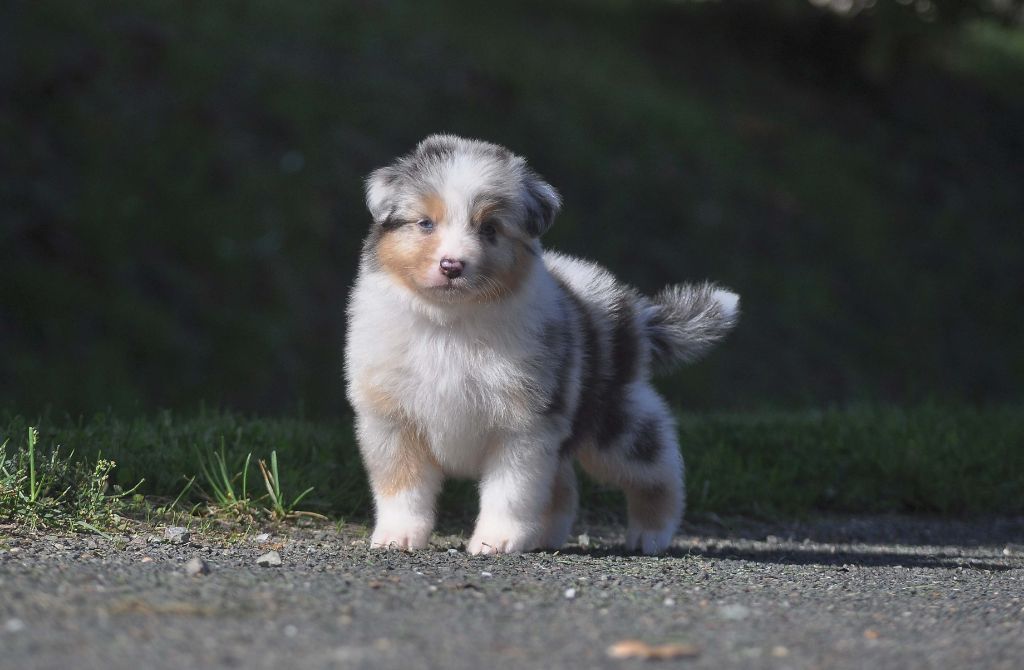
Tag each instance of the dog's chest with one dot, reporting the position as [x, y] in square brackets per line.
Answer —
[456, 377]
[463, 387]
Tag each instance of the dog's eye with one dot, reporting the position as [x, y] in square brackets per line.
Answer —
[489, 230]
[425, 224]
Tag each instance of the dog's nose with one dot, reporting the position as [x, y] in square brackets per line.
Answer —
[451, 268]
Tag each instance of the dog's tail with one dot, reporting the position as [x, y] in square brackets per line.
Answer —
[685, 320]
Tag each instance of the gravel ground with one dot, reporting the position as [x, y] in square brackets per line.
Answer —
[878, 592]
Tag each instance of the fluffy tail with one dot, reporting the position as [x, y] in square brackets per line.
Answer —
[685, 320]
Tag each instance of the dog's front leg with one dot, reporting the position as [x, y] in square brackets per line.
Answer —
[515, 492]
[405, 479]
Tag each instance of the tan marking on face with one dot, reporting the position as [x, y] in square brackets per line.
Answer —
[484, 212]
[647, 506]
[407, 253]
[408, 466]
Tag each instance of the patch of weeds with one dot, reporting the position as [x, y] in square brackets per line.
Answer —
[278, 505]
[57, 488]
[226, 487]
[55, 491]
[228, 492]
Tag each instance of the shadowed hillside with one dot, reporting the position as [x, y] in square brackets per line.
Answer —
[182, 210]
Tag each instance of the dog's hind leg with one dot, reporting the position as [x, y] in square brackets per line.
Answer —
[644, 460]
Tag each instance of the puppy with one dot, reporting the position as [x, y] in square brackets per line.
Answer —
[473, 353]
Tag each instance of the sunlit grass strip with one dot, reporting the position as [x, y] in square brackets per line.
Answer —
[950, 460]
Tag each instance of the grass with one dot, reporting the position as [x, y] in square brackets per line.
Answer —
[58, 490]
[278, 502]
[222, 484]
[931, 459]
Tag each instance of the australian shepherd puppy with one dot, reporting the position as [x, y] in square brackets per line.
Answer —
[473, 353]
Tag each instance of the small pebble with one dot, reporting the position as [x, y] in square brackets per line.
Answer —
[263, 537]
[14, 625]
[177, 535]
[486, 574]
[570, 594]
[197, 567]
[734, 612]
[271, 559]
[584, 541]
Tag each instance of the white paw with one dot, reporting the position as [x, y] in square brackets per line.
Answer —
[391, 537]
[649, 541]
[502, 538]
[403, 522]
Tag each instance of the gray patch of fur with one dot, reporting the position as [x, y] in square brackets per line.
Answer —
[684, 322]
[503, 176]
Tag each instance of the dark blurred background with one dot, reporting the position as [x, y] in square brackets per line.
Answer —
[181, 184]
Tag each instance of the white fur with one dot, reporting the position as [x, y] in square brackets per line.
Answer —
[467, 398]
[429, 360]
[404, 520]
[729, 301]
[477, 380]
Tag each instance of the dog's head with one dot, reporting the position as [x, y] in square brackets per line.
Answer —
[457, 220]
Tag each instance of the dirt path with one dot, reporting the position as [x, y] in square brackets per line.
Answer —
[860, 592]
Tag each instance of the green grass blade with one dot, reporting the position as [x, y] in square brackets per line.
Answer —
[225, 477]
[180, 495]
[277, 476]
[245, 477]
[89, 526]
[33, 492]
[219, 495]
[299, 498]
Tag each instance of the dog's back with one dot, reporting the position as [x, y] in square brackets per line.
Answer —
[626, 336]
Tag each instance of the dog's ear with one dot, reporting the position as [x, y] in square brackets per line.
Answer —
[380, 193]
[542, 204]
